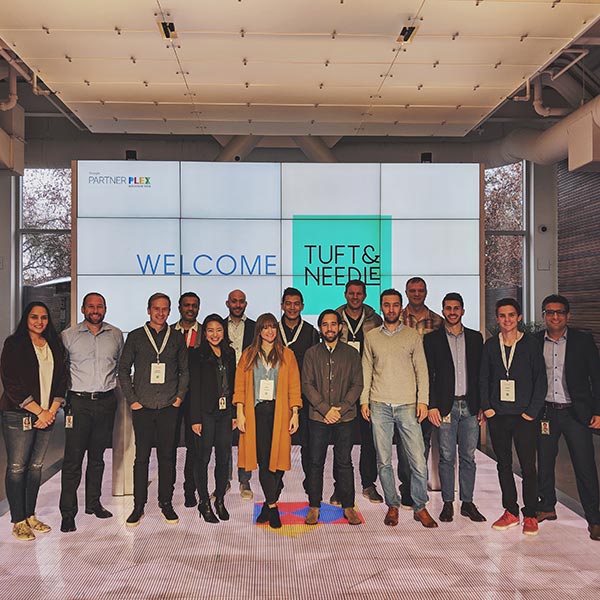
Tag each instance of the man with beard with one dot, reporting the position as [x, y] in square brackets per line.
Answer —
[395, 396]
[332, 383]
[93, 348]
[188, 326]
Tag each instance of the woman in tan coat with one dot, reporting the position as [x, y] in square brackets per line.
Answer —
[267, 396]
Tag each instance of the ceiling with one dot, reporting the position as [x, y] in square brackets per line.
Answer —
[293, 67]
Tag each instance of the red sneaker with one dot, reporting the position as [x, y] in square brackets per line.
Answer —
[530, 526]
[506, 521]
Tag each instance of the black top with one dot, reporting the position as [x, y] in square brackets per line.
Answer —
[210, 379]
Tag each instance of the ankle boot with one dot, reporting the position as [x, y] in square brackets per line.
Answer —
[263, 516]
[206, 512]
[221, 510]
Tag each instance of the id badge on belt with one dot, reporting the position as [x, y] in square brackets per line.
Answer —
[157, 372]
[69, 421]
[545, 426]
[26, 423]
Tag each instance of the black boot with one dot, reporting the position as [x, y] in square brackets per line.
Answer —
[221, 510]
[206, 512]
[263, 516]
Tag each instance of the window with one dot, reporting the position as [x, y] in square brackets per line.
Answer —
[504, 237]
[45, 236]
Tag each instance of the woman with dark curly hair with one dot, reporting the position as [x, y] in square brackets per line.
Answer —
[34, 377]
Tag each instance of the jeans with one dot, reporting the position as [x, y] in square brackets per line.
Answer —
[321, 434]
[25, 451]
[93, 422]
[581, 450]
[402, 417]
[270, 481]
[154, 426]
[216, 432]
[403, 464]
[189, 481]
[463, 430]
[243, 475]
[503, 430]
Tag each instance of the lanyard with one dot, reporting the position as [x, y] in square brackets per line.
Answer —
[158, 352]
[503, 354]
[284, 337]
[353, 332]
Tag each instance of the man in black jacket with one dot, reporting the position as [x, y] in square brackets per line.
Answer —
[572, 408]
[454, 358]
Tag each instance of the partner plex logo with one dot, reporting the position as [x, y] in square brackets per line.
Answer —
[328, 251]
[133, 182]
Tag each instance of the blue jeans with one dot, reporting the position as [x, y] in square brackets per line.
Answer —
[386, 417]
[25, 451]
[463, 430]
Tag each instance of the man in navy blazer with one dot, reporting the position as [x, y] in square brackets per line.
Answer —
[453, 358]
[572, 409]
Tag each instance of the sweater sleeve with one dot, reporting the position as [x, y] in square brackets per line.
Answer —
[421, 372]
[367, 369]
[355, 385]
[294, 396]
[16, 386]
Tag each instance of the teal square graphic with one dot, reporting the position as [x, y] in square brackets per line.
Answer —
[329, 250]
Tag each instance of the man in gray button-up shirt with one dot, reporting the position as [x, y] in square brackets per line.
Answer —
[160, 381]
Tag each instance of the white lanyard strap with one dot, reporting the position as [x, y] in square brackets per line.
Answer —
[510, 356]
[353, 332]
[284, 337]
[164, 344]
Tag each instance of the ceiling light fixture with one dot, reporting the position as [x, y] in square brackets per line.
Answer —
[167, 30]
[407, 34]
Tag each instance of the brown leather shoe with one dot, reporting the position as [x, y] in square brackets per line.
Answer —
[447, 513]
[594, 531]
[391, 518]
[546, 516]
[425, 518]
[468, 509]
[312, 518]
[351, 516]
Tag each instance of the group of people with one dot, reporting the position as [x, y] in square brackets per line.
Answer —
[398, 377]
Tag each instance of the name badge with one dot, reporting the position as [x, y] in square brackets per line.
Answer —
[355, 345]
[69, 422]
[507, 390]
[545, 427]
[267, 387]
[222, 403]
[157, 372]
[26, 423]
[447, 418]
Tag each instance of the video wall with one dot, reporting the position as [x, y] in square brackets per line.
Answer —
[144, 227]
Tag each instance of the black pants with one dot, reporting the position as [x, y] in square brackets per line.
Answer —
[183, 416]
[270, 481]
[216, 433]
[303, 435]
[504, 429]
[321, 435]
[93, 422]
[243, 475]
[581, 450]
[154, 426]
[404, 467]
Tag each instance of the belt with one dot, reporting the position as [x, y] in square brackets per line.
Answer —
[92, 395]
[460, 397]
[557, 406]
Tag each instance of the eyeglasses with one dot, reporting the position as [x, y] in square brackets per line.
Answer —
[551, 313]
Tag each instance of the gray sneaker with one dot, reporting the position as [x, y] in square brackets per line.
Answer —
[246, 491]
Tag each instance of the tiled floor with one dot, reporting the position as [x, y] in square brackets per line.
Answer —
[237, 559]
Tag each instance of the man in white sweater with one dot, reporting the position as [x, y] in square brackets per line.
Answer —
[396, 395]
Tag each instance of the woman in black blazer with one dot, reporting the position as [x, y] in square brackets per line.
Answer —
[34, 377]
[212, 375]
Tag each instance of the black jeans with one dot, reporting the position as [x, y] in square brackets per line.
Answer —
[217, 433]
[504, 429]
[321, 435]
[25, 451]
[93, 422]
[189, 482]
[304, 431]
[404, 467]
[154, 426]
[270, 481]
[581, 450]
